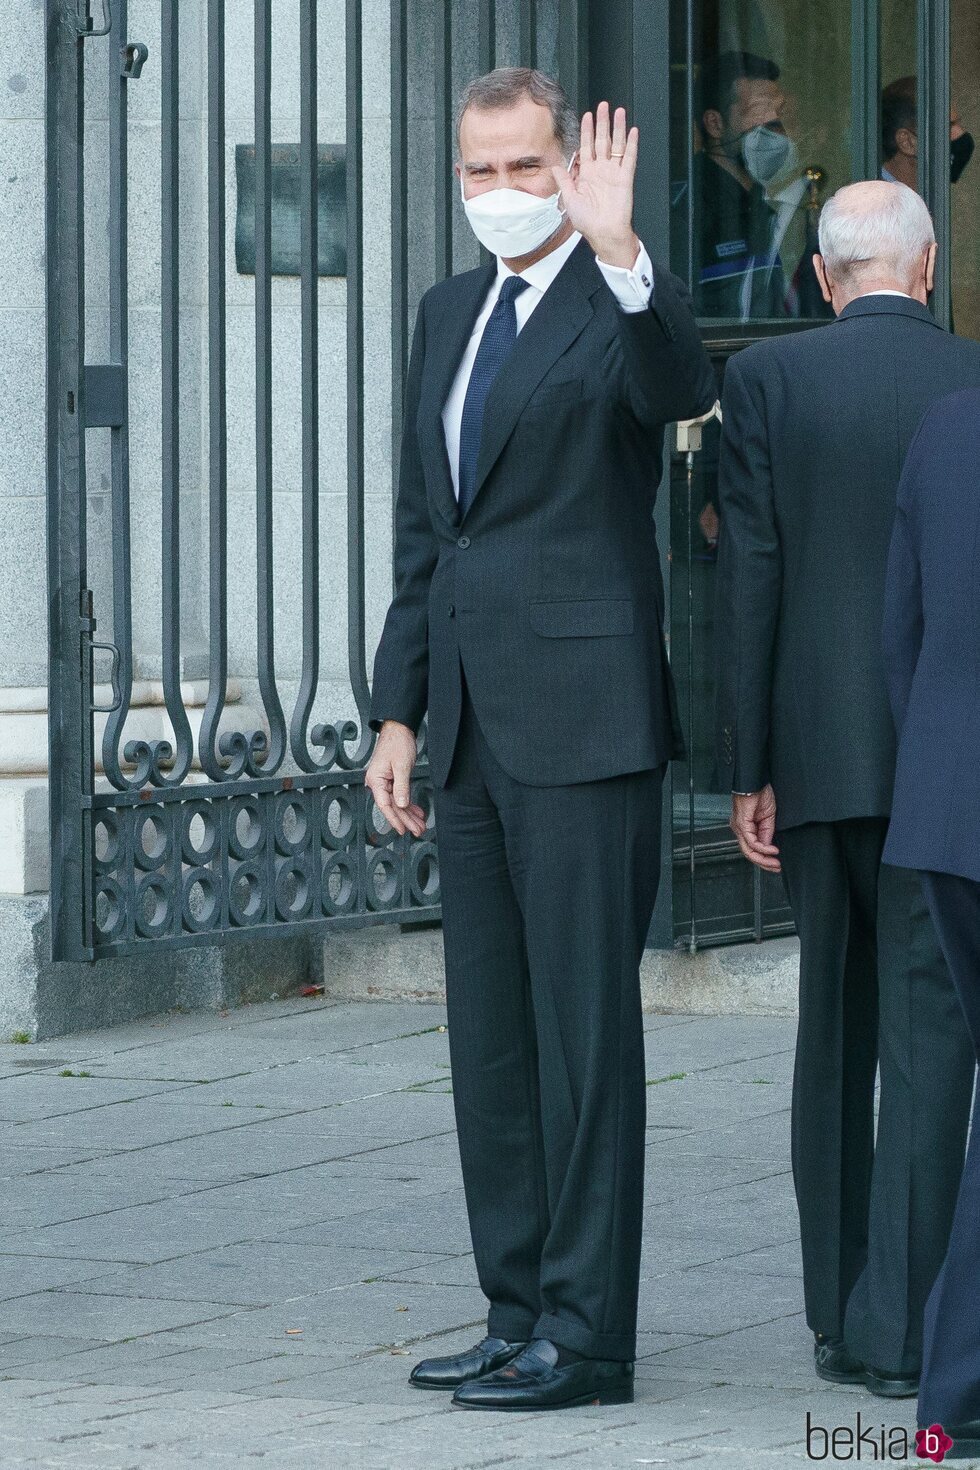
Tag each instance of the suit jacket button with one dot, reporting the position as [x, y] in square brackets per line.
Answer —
[452, 610]
[463, 542]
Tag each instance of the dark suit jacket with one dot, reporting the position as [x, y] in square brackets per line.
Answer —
[549, 589]
[932, 645]
[816, 431]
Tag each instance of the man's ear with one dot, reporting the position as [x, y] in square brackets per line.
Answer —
[713, 125]
[932, 255]
[823, 279]
[907, 142]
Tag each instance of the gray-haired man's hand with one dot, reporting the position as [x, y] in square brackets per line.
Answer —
[754, 824]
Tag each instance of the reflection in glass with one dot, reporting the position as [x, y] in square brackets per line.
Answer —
[761, 107]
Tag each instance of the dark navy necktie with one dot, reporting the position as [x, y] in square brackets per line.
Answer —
[497, 342]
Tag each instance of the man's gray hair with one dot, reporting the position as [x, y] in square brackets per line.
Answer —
[875, 230]
[508, 85]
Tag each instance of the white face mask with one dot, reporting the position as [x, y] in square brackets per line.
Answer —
[768, 153]
[511, 222]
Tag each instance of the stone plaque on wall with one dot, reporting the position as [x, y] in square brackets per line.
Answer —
[332, 212]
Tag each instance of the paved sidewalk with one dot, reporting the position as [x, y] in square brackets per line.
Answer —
[227, 1238]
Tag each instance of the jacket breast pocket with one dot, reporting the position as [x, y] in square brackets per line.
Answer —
[551, 396]
[594, 617]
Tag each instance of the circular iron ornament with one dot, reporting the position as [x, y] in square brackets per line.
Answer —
[246, 811]
[107, 823]
[296, 904]
[377, 830]
[246, 894]
[153, 891]
[421, 793]
[200, 915]
[152, 854]
[425, 874]
[337, 818]
[198, 853]
[384, 882]
[338, 885]
[111, 894]
[292, 826]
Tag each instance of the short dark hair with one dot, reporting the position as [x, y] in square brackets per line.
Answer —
[510, 84]
[899, 109]
[720, 76]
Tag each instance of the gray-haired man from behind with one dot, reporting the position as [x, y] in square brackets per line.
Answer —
[816, 430]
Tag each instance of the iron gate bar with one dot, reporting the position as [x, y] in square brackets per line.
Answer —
[487, 36]
[217, 432]
[934, 40]
[309, 387]
[865, 88]
[443, 182]
[69, 717]
[399, 231]
[356, 654]
[121, 547]
[528, 21]
[264, 552]
[170, 385]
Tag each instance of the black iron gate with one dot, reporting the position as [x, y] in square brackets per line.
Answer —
[187, 837]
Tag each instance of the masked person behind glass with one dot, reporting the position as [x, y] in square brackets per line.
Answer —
[900, 141]
[736, 271]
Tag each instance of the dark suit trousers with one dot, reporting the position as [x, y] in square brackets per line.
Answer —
[950, 1391]
[874, 989]
[547, 896]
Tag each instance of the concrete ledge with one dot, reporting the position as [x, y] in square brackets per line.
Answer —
[739, 980]
[42, 999]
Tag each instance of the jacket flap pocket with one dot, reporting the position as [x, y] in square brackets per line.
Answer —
[599, 617]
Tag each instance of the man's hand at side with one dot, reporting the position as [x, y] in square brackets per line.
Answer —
[389, 775]
[754, 824]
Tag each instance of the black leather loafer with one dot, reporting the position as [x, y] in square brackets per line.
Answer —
[834, 1363]
[891, 1385]
[534, 1381]
[491, 1353]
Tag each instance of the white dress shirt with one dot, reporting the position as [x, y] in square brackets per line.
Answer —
[632, 288]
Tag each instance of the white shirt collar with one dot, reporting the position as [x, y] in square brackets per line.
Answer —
[541, 274]
[904, 294]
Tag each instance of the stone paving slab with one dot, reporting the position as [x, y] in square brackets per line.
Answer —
[232, 1240]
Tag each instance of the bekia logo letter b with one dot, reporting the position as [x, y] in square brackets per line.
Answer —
[933, 1444]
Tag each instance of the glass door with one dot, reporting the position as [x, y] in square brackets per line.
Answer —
[773, 105]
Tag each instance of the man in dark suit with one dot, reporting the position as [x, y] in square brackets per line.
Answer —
[528, 620]
[816, 429]
[932, 663]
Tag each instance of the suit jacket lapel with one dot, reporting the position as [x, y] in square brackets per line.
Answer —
[449, 335]
[562, 314]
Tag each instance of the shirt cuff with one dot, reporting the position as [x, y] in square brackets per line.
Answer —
[632, 288]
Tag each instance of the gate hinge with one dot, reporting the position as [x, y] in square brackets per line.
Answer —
[105, 396]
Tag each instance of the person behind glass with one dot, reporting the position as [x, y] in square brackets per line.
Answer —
[816, 427]
[736, 271]
[528, 621]
[900, 139]
[932, 660]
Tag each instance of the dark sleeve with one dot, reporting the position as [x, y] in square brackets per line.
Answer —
[668, 374]
[749, 586]
[903, 623]
[401, 664]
